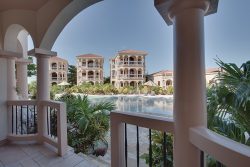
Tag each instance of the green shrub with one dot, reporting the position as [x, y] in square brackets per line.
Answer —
[87, 123]
[157, 149]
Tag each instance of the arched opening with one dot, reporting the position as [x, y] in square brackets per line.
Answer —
[131, 59]
[54, 66]
[121, 84]
[16, 40]
[90, 75]
[133, 84]
[54, 76]
[53, 83]
[169, 83]
[83, 73]
[90, 63]
[132, 73]
[139, 73]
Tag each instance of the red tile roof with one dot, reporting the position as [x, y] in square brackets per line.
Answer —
[90, 56]
[163, 72]
[56, 58]
[213, 70]
[132, 52]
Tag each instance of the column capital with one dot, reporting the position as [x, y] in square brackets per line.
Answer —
[23, 61]
[10, 54]
[169, 8]
[39, 52]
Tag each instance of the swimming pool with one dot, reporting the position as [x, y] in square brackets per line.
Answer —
[156, 105]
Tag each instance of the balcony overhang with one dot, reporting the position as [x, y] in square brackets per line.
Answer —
[165, 6]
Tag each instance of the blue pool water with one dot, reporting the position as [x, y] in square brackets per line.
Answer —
[162, 106]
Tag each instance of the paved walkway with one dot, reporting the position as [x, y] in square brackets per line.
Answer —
[34, 155]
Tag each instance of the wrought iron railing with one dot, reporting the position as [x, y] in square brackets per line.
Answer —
[119, 140]
[24, 119]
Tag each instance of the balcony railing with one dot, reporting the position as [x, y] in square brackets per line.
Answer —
[54, 78]
[119, 145]
[225, 151]
[130, 76]
[129, 63]
[41, 121]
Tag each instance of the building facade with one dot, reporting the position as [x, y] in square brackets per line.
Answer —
[127, 68]
[211, 73]
[58, 69]
[162, 78]
[89, 69]
[165, 78]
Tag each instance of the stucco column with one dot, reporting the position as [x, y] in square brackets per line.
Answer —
[87, 75]
[43, 87]
[189, 78]
[11, 79]
[42, 77]
[7, 89]
[22, 77]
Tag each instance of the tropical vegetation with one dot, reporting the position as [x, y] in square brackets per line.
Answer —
[72, 75]
[228, 102]
[31, 68]
[88, 124]
[158, 149]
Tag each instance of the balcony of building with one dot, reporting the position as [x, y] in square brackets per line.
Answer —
[54, 66]
[129, 64]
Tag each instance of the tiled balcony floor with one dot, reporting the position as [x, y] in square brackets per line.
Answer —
[34, 155]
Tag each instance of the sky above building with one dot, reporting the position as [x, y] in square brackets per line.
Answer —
[113, 25]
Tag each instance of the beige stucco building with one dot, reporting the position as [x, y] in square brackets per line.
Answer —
[162, 78]
[211, 74]
[89, 69]
[165, 78]
[127, 68]
[58, 69]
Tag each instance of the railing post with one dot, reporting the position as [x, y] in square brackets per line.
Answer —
[117, 142]
[62, 129]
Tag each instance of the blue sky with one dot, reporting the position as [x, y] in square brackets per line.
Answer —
[114, 25]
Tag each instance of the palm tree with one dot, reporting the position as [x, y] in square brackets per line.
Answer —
[229, 101]
[87, 123]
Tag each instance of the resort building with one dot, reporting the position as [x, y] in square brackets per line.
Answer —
[44, 20]
[58, 69]
[127, 68]
[165, 78]
[211, 74]
[89, 69]
[162, 78]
